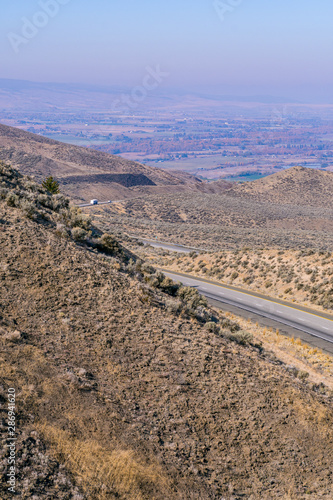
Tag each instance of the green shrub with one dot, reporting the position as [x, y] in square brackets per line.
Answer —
[59, 202]
[74, 218]
[169, 286]
[302, 375]
[240, 337]
[12, 200]
[28, 208]
[174, 306]
[108, 244]
[155, 279]
[3, 193]
[212, 327]
[191, 297]
[200, 313]
[147, 269]
[79, 234]
[62, 230]
[230, 325]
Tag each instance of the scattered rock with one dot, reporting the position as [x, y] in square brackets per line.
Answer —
[14, 336]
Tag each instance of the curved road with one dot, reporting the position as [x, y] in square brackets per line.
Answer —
[82, 205]
[314, 323]
[172, 247]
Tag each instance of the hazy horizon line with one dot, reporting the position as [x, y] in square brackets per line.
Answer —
[225, 92]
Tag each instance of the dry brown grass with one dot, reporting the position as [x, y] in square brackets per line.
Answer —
[296, 185]
[234, 218]
[124, 389]
[103, 473]
[291, 351]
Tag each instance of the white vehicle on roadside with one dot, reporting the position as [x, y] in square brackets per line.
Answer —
[93, 202]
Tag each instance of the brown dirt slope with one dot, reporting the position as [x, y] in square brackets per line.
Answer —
[122, 397]
[295, 186]
[39, 156]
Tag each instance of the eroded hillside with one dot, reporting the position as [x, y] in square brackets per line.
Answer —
[129, 387]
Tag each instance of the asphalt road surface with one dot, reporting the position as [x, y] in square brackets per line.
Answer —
[168, 246]
[99, 203]
[312, 323]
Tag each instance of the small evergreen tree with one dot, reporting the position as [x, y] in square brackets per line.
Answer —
[51, 185]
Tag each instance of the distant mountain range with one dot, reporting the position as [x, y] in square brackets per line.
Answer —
[41, 96]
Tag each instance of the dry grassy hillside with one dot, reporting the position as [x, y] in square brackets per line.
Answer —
[223, 221]
[86, 173]
[295, 186]
[129, 387]
[305, 277]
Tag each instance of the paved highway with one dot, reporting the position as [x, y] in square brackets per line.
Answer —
[99, 203]
[168, 246]
[319, 325]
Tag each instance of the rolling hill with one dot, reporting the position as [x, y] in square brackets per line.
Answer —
[290, 209]
[86, 173]
[297, 186]
[125, 387]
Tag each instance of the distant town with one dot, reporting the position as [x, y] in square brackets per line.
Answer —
[211, 139]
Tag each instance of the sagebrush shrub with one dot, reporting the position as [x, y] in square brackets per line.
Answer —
[45, 200]
[241, 337]
[3, 193]
[79, 234]
[212, 327]
[191, 297]
[59, 202]
[74, 218]
[28, 208]
[30, 185]
[174, 306]
[12, 200]
[62, 230]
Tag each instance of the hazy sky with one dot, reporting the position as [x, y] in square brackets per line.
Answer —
[252, 43]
